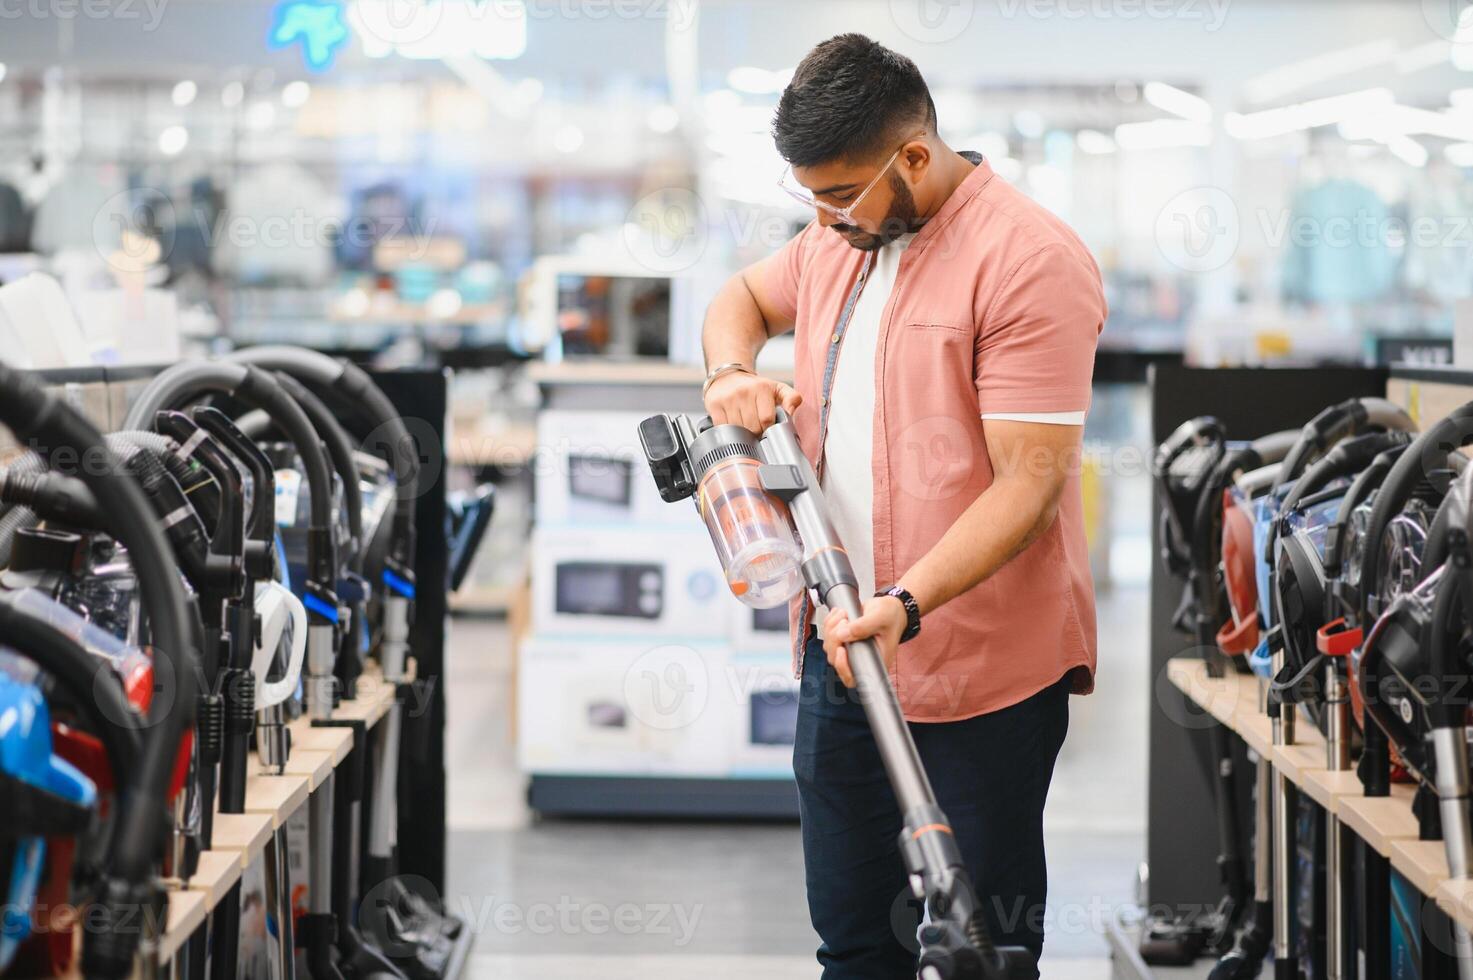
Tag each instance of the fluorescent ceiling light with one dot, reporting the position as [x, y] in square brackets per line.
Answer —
[296, 94]
[184, 93]
[1292, 77]
[2, 71]
[1408, 150]
[173, 140]
[1094, 142]
[443, 29]
[1305, 115]
[1461, 99]
[1160, 134]
[1169, 98]
[1403, 120]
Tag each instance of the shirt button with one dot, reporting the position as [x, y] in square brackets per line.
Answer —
[834, 339]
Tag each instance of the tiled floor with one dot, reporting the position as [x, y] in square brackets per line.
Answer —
[552, 899]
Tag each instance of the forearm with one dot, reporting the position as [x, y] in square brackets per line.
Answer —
[735, 329]
[1003, 521]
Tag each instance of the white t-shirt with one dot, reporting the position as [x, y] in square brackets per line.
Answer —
[848, 478]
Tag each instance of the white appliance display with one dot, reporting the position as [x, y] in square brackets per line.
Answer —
[646, 582]
[591, 470]
[607, 706]
[764, 713]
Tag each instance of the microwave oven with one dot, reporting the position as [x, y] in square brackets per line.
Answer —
[626, 581]
[591, 470]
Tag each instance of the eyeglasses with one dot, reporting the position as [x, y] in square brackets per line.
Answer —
[845, 214]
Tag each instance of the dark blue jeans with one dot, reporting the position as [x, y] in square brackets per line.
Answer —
[991, 775]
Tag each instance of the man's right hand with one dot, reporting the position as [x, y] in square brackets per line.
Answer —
[749, 400]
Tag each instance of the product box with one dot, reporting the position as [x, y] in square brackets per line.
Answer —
[764, 699]
[590, 469]
[612, 706]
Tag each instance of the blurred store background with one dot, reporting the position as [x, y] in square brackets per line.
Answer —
[542, 196]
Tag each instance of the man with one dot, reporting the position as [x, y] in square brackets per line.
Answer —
[945, 329]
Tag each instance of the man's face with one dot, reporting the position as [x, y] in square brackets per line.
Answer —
[887, 211]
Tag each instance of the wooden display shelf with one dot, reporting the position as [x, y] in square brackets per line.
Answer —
[375, 697]
[278, 796]
[316, 766]
[1224, 698]
[1386, 823]
[336, 742]
[1325, 786]
[1423, 862]
[1299, 760]
[240, 838]
[187, 912]
[1379, 820]
[1254, 727]
[1455, 897]
[217, 872]
[245, 834]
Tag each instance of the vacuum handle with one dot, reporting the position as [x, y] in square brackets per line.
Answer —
[271, 693]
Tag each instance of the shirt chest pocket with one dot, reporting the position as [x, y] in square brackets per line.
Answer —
[932, 347]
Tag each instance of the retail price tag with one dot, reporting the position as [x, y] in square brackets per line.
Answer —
[288, 489]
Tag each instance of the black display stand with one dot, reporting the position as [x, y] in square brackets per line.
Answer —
[423, 396]
[1181, 839]
[681, 797]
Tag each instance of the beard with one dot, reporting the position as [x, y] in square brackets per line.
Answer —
[900, 220]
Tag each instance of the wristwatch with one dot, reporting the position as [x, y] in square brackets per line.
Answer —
[912, 611]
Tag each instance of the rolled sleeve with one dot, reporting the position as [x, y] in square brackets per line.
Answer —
[1035, 351]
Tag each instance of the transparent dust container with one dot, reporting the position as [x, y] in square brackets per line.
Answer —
[752, 532]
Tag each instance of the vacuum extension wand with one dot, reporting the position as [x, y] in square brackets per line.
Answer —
[730, 470]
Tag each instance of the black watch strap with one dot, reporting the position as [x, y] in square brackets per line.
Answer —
[912, 610]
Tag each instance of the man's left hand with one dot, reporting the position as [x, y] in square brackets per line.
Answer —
[883, 621]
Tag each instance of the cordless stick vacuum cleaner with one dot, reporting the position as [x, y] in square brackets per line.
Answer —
[129, 883]
[410, 923]
[753, 493]
[177, 387]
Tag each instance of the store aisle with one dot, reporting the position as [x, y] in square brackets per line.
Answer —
[550, 899]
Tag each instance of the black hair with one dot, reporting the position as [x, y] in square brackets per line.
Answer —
[850, 99]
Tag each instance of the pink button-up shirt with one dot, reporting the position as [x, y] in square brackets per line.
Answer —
[996, 308]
